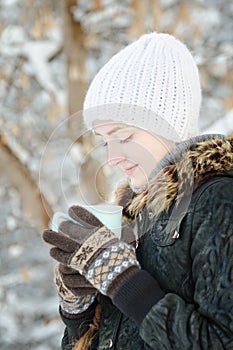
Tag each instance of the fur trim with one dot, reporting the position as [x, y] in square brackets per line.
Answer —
[202, 160]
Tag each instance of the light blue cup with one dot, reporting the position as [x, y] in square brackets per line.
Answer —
[58, 217]
[109, 215]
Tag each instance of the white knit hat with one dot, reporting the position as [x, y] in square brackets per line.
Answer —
[152, 83]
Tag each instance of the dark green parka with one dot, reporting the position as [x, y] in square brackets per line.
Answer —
[184, 225]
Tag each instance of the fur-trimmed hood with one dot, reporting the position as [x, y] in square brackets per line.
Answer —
[178, 174]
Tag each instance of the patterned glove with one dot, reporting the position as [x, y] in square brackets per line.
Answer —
[75, 292]
[104, 260]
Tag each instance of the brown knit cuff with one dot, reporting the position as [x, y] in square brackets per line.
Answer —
[140, 289]
[120, 280]
[79, 315]
[77, 326]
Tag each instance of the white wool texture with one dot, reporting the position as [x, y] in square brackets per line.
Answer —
[153, 84]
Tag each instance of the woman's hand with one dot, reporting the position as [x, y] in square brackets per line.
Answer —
[96, 253]
[75, 292]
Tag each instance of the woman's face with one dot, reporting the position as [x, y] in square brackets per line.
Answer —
[135, 151]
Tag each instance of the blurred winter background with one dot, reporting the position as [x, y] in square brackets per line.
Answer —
[49, 52]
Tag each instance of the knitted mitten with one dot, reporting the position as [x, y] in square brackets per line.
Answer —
[98, 255]
[77, 295]
[109, 264]
[75, 292]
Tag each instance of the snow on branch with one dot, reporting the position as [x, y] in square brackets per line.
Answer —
[221, 126]
[38, 53]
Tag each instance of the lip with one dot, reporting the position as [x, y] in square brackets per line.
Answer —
[130, 169]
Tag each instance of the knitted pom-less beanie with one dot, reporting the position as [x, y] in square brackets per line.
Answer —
[152, 83]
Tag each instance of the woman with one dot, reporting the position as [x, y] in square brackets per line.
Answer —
[168, 283]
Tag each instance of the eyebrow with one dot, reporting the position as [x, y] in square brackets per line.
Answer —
[113, 130]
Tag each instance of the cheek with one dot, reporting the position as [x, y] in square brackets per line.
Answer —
[137, 153]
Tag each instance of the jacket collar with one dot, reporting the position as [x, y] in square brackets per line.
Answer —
[180, 172]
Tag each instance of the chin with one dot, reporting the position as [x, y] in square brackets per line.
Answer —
[136, 183]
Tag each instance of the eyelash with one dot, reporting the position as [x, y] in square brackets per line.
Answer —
[127, 139]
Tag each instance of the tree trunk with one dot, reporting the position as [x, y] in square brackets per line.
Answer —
[77, 80]
[35, 205]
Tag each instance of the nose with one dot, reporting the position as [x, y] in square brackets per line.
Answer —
[114, 155]
[115, 161]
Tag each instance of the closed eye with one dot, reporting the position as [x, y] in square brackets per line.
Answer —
[127, 139]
